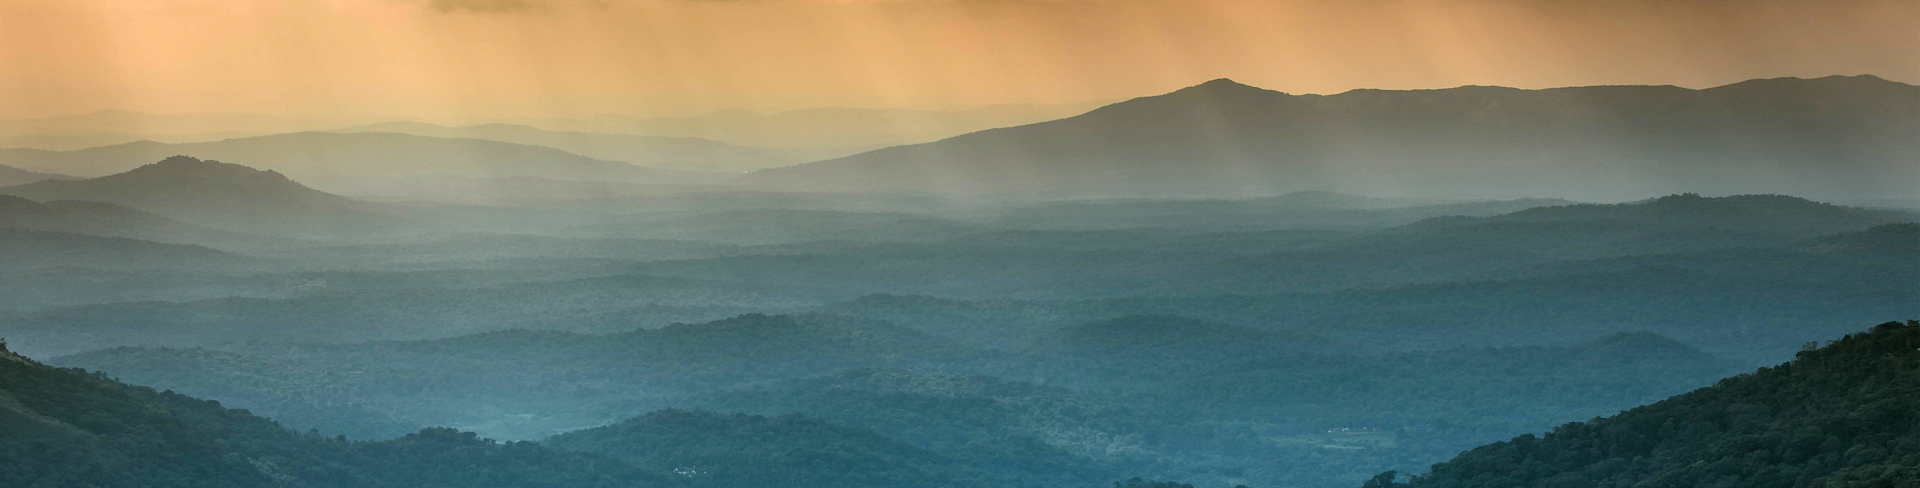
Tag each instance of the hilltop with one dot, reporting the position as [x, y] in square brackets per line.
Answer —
[217, 194]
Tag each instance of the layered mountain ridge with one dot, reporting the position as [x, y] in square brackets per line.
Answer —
[1818, 137]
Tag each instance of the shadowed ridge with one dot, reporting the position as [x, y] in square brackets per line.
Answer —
[228, 196]
[71, 427]
[1747, 213]
[1838, 415]
[10, 176]
[1821, 137]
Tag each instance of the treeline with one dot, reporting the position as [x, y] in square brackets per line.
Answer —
[1838, 416]
[1140, 395]
[72, 428]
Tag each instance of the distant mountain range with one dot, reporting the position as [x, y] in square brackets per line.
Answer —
[1833, 137]
[99, 219]
[29, 249]
[120, 126]
[676, 153]
[10, 176]
[1306, 209]
[834, 128]
[210, 193]
[341, 161]
[805, 134]
[1168, 337]
[1769, 214]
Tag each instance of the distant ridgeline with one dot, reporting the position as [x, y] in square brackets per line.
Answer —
[1844, 415]
[1829, 137]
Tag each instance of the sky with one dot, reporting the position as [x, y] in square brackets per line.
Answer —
[573, 58]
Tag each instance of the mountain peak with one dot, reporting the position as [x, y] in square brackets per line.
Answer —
[191, 166]
[1642, 343]
[1224, 86]
[216, 194]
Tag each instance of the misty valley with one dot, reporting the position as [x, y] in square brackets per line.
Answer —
[1219, 286]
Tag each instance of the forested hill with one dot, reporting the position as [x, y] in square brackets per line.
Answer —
[70, 428]
[1838, 416]
[1759, 214]
[741, 451]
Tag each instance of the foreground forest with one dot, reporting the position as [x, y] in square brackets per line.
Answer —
[1840, 415]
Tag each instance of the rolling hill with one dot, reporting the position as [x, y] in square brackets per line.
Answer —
[604, 304]
[1167, 337]
[826, 129]
[217, 194]
[570, 380]
[1768, 214]
[675, 153]
[1298, 210]
[792, 450]
[339, 161]
[10, 176]
[100, 219]
[68, 427]
[27, 249]
[1827, 137]
[1836, 416]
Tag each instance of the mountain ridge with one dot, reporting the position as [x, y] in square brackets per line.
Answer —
[223, 195]
[1783, 135]
[1834, 416]
[1743, 213]
[10, 176]
[663, 152]
[71, 427]
[345, 160]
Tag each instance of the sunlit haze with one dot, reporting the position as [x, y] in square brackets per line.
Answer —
[959, 243]
[490, 59]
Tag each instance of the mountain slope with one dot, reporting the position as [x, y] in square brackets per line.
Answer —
[1840, 415]
[71, 428]
[1676, 223]
[99, 219]
[749, 450]
[826, 129]
[27, 249]
[571, 380]
[1773, 214]
[1829, 137]
[676, 153]
[216, 194]
[1169, 338]
[1298, 210]
[338, 160]
[10, 176]
[410, 312]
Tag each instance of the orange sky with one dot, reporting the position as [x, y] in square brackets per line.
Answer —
[510, 58]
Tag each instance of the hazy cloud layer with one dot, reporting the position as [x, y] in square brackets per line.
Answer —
[575, 58]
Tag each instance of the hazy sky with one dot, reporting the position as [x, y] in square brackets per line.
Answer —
[507, 58]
